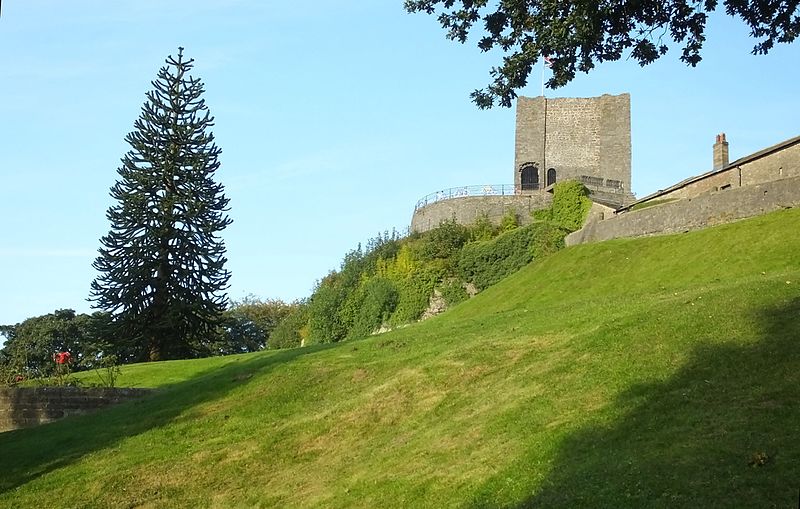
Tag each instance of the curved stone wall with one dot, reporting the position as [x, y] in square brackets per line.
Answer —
[465, 210]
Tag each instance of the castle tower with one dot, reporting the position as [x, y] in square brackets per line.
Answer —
[585, 139]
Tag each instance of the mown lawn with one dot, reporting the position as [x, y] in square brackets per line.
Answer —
[658, 372]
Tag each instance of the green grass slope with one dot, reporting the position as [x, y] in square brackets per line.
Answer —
[658, 372]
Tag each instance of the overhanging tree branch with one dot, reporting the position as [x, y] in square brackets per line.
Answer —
[580, 33]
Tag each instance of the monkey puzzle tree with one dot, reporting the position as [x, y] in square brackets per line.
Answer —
[162, 274]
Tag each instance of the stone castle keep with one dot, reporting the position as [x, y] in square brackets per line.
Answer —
[589, 140]
[584, 139]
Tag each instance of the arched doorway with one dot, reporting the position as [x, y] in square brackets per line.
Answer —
[551, 176]
[529, 177]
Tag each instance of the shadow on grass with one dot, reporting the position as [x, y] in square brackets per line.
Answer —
[29, 453]
[724, 431]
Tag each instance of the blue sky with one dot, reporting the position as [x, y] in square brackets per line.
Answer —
[334, 117]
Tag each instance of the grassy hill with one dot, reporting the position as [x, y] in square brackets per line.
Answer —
[659, 372]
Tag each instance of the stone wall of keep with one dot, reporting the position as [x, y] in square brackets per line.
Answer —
[466, 210]
[576, 137]
[22, 407]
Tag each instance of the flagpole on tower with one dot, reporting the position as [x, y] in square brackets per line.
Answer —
[546, 62]
[543, 66]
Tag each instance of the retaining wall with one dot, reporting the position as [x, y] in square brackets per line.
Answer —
[22, 407]
[693, 213]
[466, 210]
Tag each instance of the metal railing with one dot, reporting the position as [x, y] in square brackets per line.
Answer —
[596, 183]
[463, 191]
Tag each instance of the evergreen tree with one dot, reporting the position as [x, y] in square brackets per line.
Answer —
[161, 266]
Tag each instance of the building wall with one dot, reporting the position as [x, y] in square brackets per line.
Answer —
[575, 136]
[777, 165]
[466, 210]
[704, 210]
[716, 182]
[22, 407]
[781, 163]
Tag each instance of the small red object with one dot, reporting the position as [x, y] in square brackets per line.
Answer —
[62, 357]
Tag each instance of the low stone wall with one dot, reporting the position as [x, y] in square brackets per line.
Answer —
[22, 407]
[693, 213]
[465, 210]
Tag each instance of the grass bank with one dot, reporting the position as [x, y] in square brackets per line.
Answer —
[658, 372]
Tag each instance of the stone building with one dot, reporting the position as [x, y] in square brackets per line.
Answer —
[584, 139]
[777, 162]
[756, 184]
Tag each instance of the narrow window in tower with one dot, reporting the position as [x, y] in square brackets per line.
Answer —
[551, 176]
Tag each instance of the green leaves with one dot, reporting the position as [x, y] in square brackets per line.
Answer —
[577, 34]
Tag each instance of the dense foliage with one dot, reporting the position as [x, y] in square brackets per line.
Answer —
[31, 345]
[570, 206]
[162, 264]
[248, 325]
[292, 331]
[576, 35]
[391, 282]
[487, 262]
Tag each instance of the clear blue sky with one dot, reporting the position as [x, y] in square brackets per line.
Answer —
[334, 117]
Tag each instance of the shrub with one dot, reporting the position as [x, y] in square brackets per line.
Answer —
[443, 241]
[486, 263]
[548, 240]
[401, 266]
[453, 292]
[108, 370]
[325, 324]
[483, 229]
[291, 331]
[377, 300]
[571, 205]
[413, 295]
[509, 221]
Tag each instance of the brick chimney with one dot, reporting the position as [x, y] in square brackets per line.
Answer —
[720, 152]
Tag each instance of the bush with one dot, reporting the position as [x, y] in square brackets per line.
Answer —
[291, 331]
[509, 221]
[483, 229]
[547, 241]
[571, 205]
[325, 323]
[413, 295]
[444, 241]
[453, 292]
[378, 298]
[486, 263]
